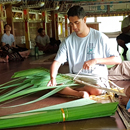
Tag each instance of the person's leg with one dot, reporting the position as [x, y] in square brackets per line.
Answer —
[4, 59]
[122, 40]
[24, 54]
[122, 44]
[120, 71]
[90, 90]
[123, 100]
[69, 91]
[27, 53]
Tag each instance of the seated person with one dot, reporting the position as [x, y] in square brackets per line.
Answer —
[42, 40]
[87, 52]
[54, 44]
[122, 72]
[8, 38]
[126, 100]
[128, 95]
[124, 37]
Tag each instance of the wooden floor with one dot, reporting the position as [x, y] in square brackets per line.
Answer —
[8, 69]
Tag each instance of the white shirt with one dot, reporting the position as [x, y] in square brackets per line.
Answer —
[43, 40]
[7, 39]
[77, 50]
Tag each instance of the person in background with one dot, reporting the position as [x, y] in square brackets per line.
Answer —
[86, 50]
[8, 39]
[125, 100]
[42, 40]
[3, 57]
[124, 37]
[128, 95]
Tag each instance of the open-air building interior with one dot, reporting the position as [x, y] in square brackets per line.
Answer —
[25, 18]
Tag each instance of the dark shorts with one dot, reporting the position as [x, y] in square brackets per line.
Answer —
[124, 37]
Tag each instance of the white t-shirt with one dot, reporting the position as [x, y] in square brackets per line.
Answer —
[43, 40]
[77, 50]
[7, 39]
[126, 23]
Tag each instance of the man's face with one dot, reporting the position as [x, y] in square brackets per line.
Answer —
[77, 24]
[8, 28]
[43, 32]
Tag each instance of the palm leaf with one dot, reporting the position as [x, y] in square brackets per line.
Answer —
[53, 116]
[39, 78]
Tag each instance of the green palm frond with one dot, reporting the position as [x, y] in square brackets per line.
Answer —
[38, 78]
[54, 116]
[33, 80]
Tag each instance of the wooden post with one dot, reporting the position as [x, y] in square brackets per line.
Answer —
[56, 26]
[26, 23]
[9, 19]
[66, 26]
[54, 18]
[44, 20]
[53, 23]
[1, 21]
[71, 30]
[61, 28]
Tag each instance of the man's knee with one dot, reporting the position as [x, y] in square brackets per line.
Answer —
[96, 92]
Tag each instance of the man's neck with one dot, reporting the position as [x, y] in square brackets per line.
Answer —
[8, 33]
[85, 33]
[42, 35]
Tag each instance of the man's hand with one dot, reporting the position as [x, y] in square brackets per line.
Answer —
[89, 64]
[52, 82]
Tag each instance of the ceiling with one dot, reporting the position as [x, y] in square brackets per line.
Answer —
[92, 7]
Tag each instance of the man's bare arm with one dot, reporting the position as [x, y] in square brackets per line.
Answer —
[53, 73]
[107, 61]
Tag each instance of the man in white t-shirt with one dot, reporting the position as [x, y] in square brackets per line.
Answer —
[86, 49]
[42, 40]
[124, 37]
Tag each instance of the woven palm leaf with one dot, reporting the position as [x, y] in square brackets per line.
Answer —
[59, 115]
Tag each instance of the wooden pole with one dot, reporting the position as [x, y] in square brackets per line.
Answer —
[9, 19]
[66, 26]
[1, 21]
[54, 18]
[44, 20]
[26, 23]
[56, 26]
[53, 23]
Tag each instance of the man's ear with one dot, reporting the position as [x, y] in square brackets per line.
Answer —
[85, 19]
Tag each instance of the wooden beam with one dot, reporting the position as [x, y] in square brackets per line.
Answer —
[9, 19]
[1, 21]
[26, 23]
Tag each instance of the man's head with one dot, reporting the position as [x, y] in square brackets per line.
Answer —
[7, 27]
[76, 11]
[77, 18]
[41, 31]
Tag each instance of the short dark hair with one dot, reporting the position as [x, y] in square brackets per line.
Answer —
[6, 25]
[40, 30]
[76, 10]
